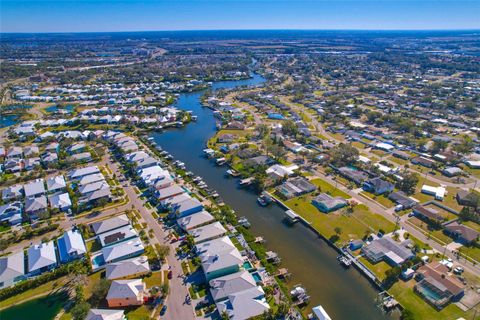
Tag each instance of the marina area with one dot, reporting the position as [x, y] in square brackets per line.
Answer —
[307, 254]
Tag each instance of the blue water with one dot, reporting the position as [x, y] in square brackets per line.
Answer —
[311, 261]
[8, 120]
[69, 108]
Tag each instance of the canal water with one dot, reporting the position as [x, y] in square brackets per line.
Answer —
[345, 294]
[45, 308]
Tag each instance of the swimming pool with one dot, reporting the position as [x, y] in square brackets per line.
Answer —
[247, 265]
[98, 261]
[256, 276]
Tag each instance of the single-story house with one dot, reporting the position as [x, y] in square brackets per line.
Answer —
[295, 187]
[109, 224]
[60, 201]
[195, 220]
[117, 235]
[79, 173]
[400, 198]
[105, 314]
[388, 250]
[123, 250]
[278, 171]
[56, 183]
[223, 286]
[468, 198]
[356, 176]
[461, 233]
[437, 192]
[35, 188]
[326, 203]
[436, 286]
[452, 171]
[35, 206]
[427, 214]
[208, 232]
[426, 162]
[126, 293]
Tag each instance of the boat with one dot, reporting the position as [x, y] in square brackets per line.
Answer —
[209, 152]
[299, 295]
[291, 216]
[264, 199]
[244, 222]
[345, 261]
[233, 173]
[246, 182]
[220, 161]
[194, 118]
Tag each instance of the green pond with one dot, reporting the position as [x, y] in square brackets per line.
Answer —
[45, 308]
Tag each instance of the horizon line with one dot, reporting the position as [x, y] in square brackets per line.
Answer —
[253, 29]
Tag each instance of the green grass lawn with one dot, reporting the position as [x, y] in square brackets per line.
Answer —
[382, 199]
[399, 161]
[352, 226]
[378, 269]
[326, 187]
[155, 279]
[472, 251]
[436, 235]
[403, 292]
[93, 245]
[43, 289]
[358, 145]
[138, 313]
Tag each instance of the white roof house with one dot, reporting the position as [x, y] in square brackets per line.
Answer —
[110, 224]
[91, 178]
[41, 256]
[208, 232]
[71, 245]
[126, 290]
[151, 174]
[437, 192]
[56, 183]
[221, 287]
[126, 268]
[105, 314]
[123, 250]
[216, 245]
[117, 235]
[169, 192]
[79, 173]
[244, 304]
[35, 188]
[12, 269]
[195, 220]
[60, 200]
[278, 171]
[221, 262]
[384, 146]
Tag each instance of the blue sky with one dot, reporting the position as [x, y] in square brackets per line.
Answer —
[138, 15]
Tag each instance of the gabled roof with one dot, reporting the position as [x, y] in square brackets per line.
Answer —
[78, 173]
[207, 232]
[121, 289]
[244, 304]
[125, 268]
[221, 287]
[122, 249]
[195, 220]
[220, 260]
[41, 255]
[110, 224]
[72, 243]
[12, 266]
[60, 200]
[464, 231]
[105, 314]
[34, 188]
[34, 204]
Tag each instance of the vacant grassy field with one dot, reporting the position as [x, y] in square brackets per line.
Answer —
[436, 235]
[382, 199]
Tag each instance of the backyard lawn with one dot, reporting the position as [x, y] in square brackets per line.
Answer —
[326, 187]
[403, 292]
[378, 269]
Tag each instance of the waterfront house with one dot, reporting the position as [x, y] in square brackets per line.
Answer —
[326, 203]
[117, 235]
[12, 269]
[427, 214]
[221, 258]
[278, 172]
[222, 287]
[207, 232]
[169, 192]
[11, 213]
[244, 304]
[186, 207]
[109, 224]
[41, 258]
[388, 250]
[56, 183]
[71, 246]
[105, 314]
[437, 286]
[295, 187]
[134, 267]
[461, 233]
[377, 186]
[437, 192]
[79, 173]
[172, 201]
[150, 175]
[195, 220]
[123, 250]
[126, 293]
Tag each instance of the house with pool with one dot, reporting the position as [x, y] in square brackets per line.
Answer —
[71, 246]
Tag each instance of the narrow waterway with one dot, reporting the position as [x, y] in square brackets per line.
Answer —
[345, 294]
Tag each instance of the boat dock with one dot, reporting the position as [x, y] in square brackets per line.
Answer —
[246, 182]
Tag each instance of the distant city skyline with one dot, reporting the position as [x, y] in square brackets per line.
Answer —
[135, 15]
